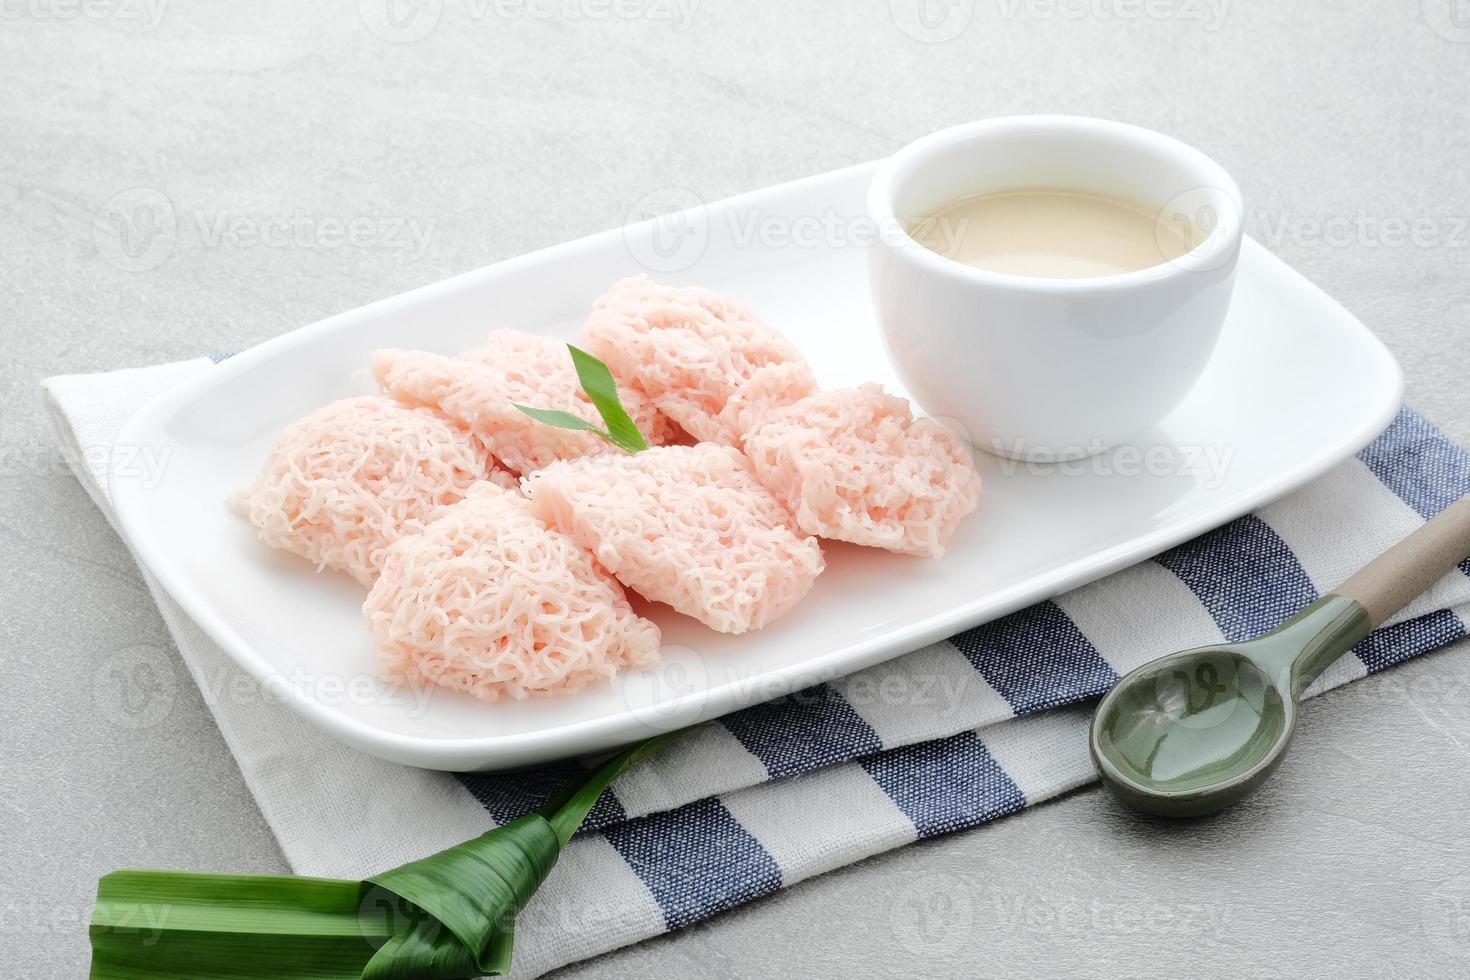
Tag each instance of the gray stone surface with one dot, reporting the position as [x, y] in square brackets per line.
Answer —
[500, 132]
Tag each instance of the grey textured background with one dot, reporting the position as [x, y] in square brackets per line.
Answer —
[499, 132]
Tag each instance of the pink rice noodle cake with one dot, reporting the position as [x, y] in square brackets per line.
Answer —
[348, 480]
[854, 465]
[489, 601]
[691, 352]
[685, 525]
[480, 390]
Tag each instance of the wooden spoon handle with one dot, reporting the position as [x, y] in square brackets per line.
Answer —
[1395, 578]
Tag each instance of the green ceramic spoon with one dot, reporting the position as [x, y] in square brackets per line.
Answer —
[1193, 732]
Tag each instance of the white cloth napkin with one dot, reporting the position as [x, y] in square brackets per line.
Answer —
[982, 725]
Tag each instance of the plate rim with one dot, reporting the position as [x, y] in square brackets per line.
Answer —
[576, 737]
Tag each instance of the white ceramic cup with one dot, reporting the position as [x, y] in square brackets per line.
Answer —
[1038, 368]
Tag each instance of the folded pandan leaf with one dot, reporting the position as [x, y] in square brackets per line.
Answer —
[449, 916]
[602, 390]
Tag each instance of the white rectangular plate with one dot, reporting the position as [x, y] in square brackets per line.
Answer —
[1296, 386]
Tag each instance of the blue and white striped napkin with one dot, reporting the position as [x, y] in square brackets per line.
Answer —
[961, 732]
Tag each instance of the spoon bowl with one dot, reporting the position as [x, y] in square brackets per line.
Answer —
[1196, 731]
[1192, 732]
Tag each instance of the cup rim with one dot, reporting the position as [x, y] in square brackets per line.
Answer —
[1211, 253]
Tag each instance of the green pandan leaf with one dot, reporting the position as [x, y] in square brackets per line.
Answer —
[449, 916]
[472, 892]
[152, 924]
[567, 811]
[562, 420]
[597, 381]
